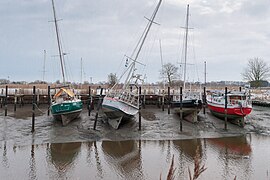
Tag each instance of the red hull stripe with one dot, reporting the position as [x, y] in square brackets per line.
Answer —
[231, 111]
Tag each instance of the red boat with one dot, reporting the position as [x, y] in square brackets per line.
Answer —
[238, 105]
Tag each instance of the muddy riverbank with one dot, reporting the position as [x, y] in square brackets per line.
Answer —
[77, 151]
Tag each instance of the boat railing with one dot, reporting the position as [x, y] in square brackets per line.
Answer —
[129, 97]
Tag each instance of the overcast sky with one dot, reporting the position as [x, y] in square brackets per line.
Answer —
[225, 34]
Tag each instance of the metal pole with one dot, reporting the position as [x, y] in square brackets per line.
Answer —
[140, 116]
[33, 109]
[15, 100]
[89, 101]
[204, 99]
[169, 101]
[49, 100]
[226, 102]
[6, 100]
[163, 100]
[181, 109]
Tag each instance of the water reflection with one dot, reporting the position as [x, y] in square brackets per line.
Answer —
[124, 157]
[62, 156]
[224, 158]
[233, 145]
[233, 156]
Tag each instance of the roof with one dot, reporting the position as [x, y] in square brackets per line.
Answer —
[67, 91]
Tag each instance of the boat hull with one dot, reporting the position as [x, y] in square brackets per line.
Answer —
[234, 114]
[117, 110]
[66, 111]
[190, 109]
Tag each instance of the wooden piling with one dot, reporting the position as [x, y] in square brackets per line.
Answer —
[89, 101]
[181, 109]
[163, 99]
[33, 108]
[204, 99]
[144, 94]
[226, 103]
[6, 100]
[169, 100]
[2, 99]
[15, 100]
[240, 88]
[140, 115]
[98, 107]
[49, 100]
[38, 97]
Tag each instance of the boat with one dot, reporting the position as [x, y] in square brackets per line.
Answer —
[239, 105]
[191, 103]
[122, 101]
[65, 106]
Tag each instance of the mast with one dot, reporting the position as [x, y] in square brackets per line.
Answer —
[43, 72]
[59, 44]
[185, 50]
[141, 42]
[81, 72]
[161, 59]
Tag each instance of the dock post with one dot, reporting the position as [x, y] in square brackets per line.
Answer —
[49, 100]
[89, 101]
[33, 109]
[169, 100]
[140, 101]
[38, 97]
[144, 94]
[15, 100]
[181, 109]
[2, 99]
[163, 99]
[240, 88]
[6, 100]
[226, 102]
[204, 99]
[98, 107]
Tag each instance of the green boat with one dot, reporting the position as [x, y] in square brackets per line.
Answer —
[65, 106]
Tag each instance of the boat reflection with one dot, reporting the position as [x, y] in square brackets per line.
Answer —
[234, 145]
[189, 147]
[124, 156]
[63, 155]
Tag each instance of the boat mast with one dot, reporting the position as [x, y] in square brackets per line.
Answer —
[59, 44]
[43, 72]
[186, 39]
[141, 42]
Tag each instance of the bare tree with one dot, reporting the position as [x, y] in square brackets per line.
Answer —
[256, 71]
[169, 71]
[112, 79]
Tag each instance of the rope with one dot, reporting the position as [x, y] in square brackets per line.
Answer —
[40, 109]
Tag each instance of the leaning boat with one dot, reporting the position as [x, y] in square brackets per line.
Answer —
[65, 106]
[123, 102]
[238, 105]
[191, 99]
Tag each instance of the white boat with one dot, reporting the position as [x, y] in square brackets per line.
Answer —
[191, 99]
[123, 102]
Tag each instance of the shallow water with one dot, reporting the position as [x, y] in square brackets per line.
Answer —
[78, 152]
[246, 157]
